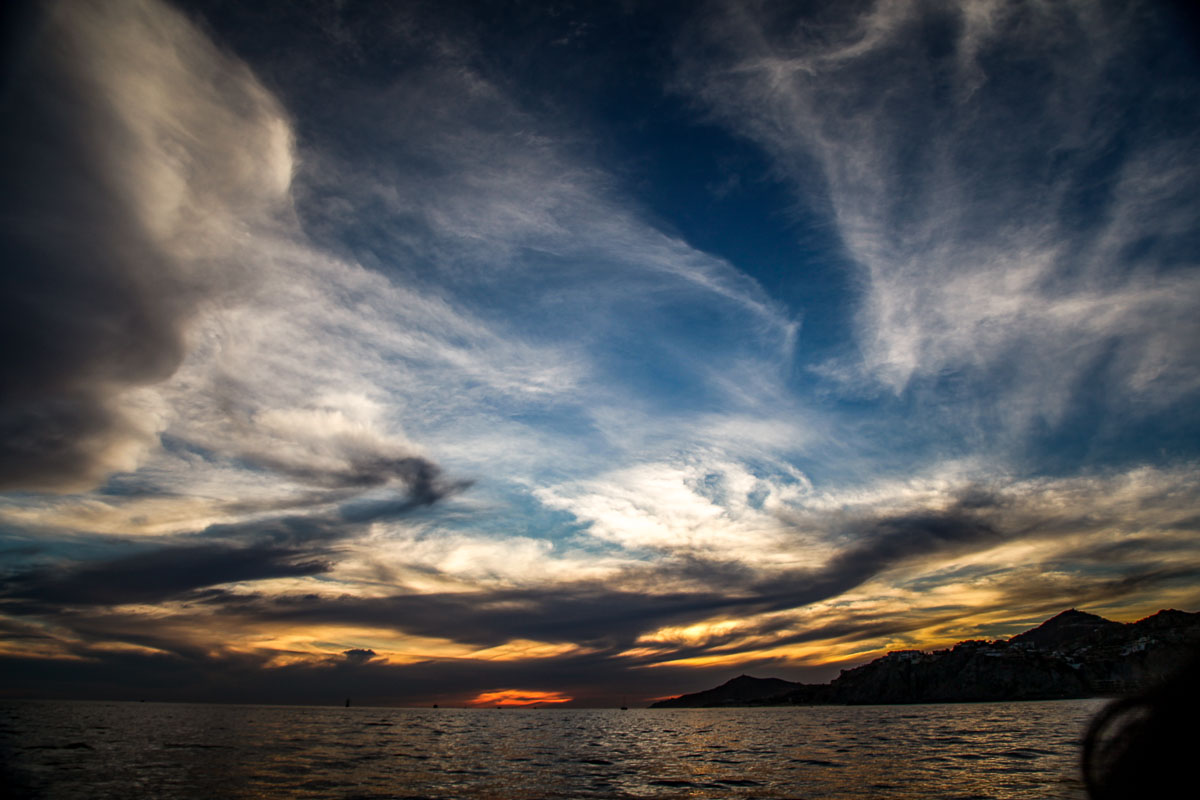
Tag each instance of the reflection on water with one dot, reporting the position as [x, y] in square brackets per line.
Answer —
[111, 750]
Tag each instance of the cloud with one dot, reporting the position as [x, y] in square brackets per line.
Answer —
[289, 375]
[160, 574]
[878, 544]
[160, 284]
[256, 550]
[280, 361]
[359, 656]
[703, 504]
[136, 153]
[901, 571]
[454, 184]
[238, 677]
[501, 263]
[1021, 248]
[498, 200]
[646, 597]
[434, 555]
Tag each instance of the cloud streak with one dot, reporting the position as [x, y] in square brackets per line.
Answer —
[1008, 235]
[1023, 533]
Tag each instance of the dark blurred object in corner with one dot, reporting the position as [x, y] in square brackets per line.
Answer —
[1146, 746]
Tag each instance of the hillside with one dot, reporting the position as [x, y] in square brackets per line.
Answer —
[1074, 654]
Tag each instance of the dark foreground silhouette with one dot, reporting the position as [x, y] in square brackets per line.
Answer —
[1145, 746]
[1072, 655]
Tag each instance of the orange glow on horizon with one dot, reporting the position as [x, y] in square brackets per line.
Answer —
[518, 697]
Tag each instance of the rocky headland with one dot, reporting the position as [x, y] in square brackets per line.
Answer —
[1072, 655]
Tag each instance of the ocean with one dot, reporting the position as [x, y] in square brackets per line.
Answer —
[94, 750]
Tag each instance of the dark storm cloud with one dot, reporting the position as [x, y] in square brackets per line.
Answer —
[1128, 550]
[80, 314]
[880, 543]
[422, 481]
[187, 672]
[598, 615]
[286, 546]
[94, 292]
[137, 156]
[604, 619]
[159, 574]
[13, 631]
[361, 470]
[332, 462]
[588, 614]
[358, 656]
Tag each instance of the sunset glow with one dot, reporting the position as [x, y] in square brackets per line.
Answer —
[408, 350]
[518, 697]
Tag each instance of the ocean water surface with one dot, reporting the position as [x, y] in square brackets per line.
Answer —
[168, 750]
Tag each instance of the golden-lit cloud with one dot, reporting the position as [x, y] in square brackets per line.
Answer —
[523, 649]
[518, 697]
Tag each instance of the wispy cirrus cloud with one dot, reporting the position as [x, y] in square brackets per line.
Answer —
[272, 353]
[1015, 241]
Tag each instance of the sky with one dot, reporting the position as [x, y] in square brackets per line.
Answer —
[568, 352]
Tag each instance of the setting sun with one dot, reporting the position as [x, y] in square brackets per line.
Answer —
[518, 697]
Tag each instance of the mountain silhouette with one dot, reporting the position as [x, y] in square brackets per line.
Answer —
[1071, 655]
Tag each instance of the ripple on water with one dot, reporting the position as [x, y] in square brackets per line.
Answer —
[1027, 753]
[187, 752]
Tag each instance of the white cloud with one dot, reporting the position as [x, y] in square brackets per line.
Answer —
[954, 192]
[425, 557]
[698, 506]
